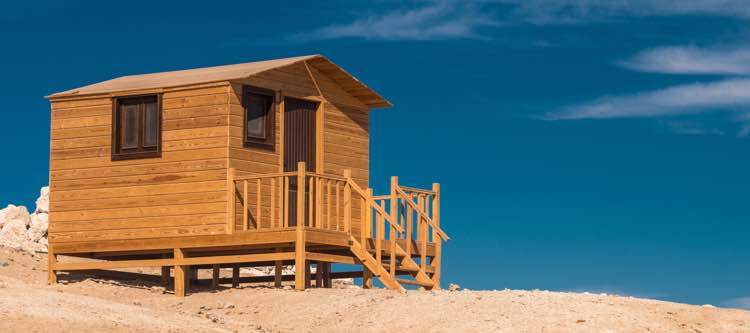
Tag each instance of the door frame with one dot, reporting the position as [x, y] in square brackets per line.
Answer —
[319, 123]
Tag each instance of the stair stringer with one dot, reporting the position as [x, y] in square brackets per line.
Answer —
[371, 263]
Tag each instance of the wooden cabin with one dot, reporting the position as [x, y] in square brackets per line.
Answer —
[256, 164]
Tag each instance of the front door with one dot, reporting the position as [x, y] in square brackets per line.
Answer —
[299, 145]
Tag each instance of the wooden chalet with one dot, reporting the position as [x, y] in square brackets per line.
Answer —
[257, 164]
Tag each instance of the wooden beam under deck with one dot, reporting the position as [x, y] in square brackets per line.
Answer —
[238, 241]
[177, 261]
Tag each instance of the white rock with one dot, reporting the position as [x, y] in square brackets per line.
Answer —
[39, 225]
[708, 306]
[453, 287]
[12, 213]
[42, 203]
[13, 235]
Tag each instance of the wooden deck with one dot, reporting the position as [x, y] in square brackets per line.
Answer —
[397, 235]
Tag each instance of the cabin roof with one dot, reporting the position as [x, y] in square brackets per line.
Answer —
[226, 73]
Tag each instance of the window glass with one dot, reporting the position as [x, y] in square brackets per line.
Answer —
[151, 125]
[256, 117]
[129, 126]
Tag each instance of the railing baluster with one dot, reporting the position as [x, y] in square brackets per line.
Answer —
[244, 205]
[347, 201]
[328, 204]
[318, 202]
[231, 198]
[409, 227]
[259, 218]
[338, 204]
[422, 233]
[394, 219]
[273, 203]
[311, 204]
[285, 222]
[379, 230]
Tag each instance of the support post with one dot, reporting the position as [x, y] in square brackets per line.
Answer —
[436, 260]
[179, 273]
[51, 261]
[215, 277]
[278, 271]
[165, 272]
[392, 229]
[165, 275]
[231, 198]
[235, 276]
[421, 203]
[366, 235]
[327, 283]
[348, 202]
[299, 246]
[318, 274]
[308, 281]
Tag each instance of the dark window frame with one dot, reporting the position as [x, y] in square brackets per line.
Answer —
[118, 153]
[269, 142]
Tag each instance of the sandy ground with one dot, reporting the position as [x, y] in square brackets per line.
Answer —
[27, 304]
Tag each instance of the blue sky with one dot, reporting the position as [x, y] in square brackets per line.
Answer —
[581, 145]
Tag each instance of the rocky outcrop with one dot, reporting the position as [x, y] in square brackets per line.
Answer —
[23, 231]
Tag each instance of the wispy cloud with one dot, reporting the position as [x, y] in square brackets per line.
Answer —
[581, 11]
[451, 19]
[691, 60]
[728, 97]
[432, 21]
[740, 303]
[721, 96]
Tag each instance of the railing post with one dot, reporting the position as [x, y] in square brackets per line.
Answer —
[348, 202]
[422, 233]
[394, 219]
[300, 263]
[436, 260]
[379, 231]
[230, 200]
[366, 234]
[409, 226]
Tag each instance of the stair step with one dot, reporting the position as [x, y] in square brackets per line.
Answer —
[387, 266]
[415, 282]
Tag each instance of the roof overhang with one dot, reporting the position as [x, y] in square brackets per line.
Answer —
[173, 79]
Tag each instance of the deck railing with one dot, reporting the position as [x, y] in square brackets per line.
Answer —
[407, 215]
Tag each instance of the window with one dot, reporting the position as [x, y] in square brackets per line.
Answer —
[136, 127]
[260, 109]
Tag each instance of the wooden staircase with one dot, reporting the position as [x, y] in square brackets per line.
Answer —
[387, 275]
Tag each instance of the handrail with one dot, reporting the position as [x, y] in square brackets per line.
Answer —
[417, 190]
[377, 207]
[422, 214]
[265, 175]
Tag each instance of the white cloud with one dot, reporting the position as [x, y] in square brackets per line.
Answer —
[726, 95]
[437, 20]
[740, 303]
[691, 60]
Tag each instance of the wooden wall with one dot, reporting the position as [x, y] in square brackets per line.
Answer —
[344, 142]
[182, 193]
